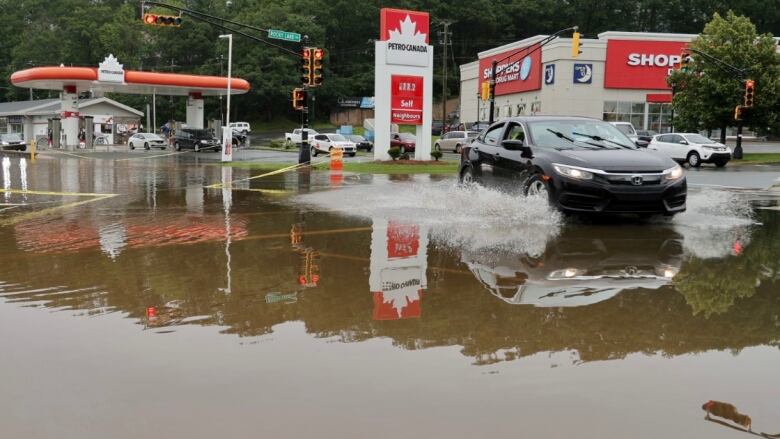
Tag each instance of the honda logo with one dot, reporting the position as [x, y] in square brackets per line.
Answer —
[637, 180]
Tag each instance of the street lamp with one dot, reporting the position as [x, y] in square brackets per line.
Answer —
[227, 147]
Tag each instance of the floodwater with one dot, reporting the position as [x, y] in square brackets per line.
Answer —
[137, 301]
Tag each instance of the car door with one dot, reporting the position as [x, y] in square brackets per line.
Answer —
[456, 138]
[675, 149]
[510, 167]
[444, 142]
[483, 151]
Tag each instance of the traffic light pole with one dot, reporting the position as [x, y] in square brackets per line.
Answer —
[304, 154]
[494, 66]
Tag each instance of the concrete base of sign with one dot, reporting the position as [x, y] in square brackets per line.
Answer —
[382, 110]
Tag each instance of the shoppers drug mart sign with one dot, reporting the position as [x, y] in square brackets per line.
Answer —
[635, 64]
[522, 71]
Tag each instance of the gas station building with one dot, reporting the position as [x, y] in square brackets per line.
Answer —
[110, 76]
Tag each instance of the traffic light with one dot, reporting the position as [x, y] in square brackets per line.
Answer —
[738, 112]
[306, 64]
[750, 88]
[316, 75]
[484, 91]
[299, 98]
[575, 45]
[162, 20]
[685, 60]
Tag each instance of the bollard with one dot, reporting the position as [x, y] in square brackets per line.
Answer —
[336, 159]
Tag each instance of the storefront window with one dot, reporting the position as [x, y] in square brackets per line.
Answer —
[659, 117]
[3, 124]
[619, 111]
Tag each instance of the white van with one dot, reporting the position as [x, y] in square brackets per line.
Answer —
[242, 127]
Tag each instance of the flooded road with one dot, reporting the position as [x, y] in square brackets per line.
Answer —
[155, 298]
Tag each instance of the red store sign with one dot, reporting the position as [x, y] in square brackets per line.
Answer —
[641, 64]
[517, 74]
[406, 101]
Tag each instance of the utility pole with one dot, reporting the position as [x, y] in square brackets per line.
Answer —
[445, 41]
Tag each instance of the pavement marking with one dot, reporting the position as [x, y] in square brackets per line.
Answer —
[23, 217]
[64, 153]
[60, 194]
[153, 156]
[267, 174]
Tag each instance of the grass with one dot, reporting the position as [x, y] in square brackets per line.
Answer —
[442, 167]
[758, 159]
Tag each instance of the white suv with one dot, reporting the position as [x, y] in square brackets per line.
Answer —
[691, 148]
[242, 127]
[326, 142]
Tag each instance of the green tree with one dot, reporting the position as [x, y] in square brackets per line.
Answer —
[708, 92]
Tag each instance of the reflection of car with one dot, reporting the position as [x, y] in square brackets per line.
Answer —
[241, 127]
[626, 128]
[405, 141]
[581, 267]
[196, 139]
[361, 142]
[454, 140]
[146, 141]
[13, 142]
[646, 135]
[579, 164]
[479, 126]
[691, 148]
[326, 142]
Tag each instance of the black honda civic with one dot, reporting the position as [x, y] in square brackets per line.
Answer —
[581, 165]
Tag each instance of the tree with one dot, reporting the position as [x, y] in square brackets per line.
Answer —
[708, 92]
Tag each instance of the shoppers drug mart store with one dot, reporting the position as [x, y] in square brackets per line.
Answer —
[620, 76]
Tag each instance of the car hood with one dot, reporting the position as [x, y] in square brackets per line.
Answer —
[616, 160]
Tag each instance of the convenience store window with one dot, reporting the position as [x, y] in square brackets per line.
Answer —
[659, 117]
[624, 111]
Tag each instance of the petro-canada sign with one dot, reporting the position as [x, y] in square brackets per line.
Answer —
[406, 33]
[110, 70]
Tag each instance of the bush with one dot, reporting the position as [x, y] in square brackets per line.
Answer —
[437, 155]
[394, 152]
[277, 144]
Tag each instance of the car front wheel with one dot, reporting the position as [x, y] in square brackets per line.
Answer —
[537, 186]
[146, 146]
[132, 146]
[467, 175]
[693, 160]
[314, 152]
[457, 149]
[176, 146]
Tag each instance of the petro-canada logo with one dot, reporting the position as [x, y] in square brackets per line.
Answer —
[406, 33]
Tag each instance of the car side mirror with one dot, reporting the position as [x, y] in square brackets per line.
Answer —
[683, 142]
[642, 143]
[513, 145]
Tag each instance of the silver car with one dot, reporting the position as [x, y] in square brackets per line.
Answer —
[454, 140]
[147, 141]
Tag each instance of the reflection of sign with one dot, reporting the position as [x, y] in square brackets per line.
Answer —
[406, 100]
[281, 298]
[641, 64]
[549, 74]
[110, 70]
[406, 33]
[583, 73]
[519, 73]
[400, 295]
[403, 240]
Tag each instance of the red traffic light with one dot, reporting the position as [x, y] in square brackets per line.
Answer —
[306, 53]
[150, 19]
[162, 20]
[319, 54]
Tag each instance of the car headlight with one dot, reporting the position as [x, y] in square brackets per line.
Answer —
[204, 142]
[673, 173]
[567, 273]
[576, 173]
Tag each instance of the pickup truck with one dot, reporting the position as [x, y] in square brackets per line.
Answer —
[295, 136]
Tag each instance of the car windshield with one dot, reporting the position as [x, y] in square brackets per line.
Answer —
[406, 136]
[356, 138]
[625, 128]
[10, 137]
[337, 138]
[698, 138]
[591, 134]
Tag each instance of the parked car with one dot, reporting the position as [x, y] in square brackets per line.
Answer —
[646, 135]
[628, 129]
[456, 126]
[295, 135]
[326, 142]
[691, 148]
[146, 141]
[242, 127]
[580, 165]
[12, 141]
[436, 127]
[361, 142]
[478, 126]
[196, 139]
[405, 141]
[455, 140]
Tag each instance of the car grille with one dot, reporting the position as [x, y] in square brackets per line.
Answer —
[628, 178]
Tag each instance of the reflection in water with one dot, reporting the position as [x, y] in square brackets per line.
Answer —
[727, 415]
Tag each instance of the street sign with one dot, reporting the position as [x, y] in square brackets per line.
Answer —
[283, 35]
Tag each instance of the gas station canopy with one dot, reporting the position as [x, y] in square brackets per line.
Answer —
[126, 81]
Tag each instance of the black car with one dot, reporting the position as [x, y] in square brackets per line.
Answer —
[361, 142]
[644, 137]
[13, 142]
[197, 139]
[581, 165]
